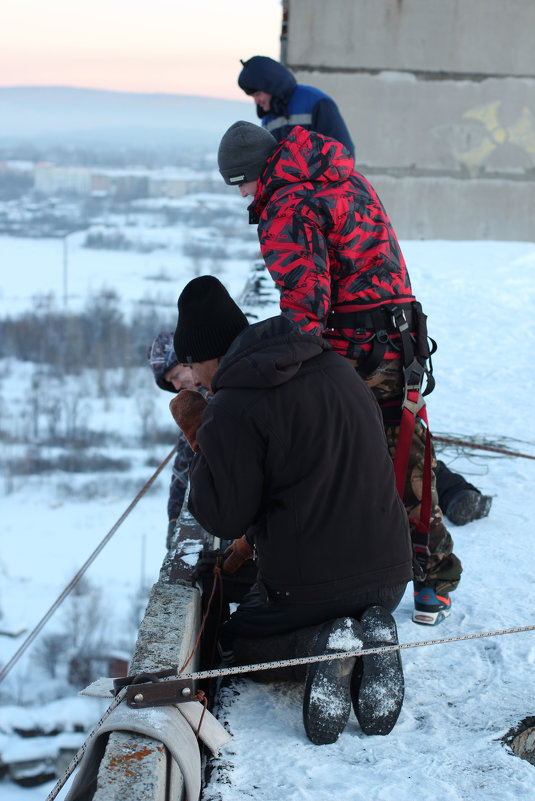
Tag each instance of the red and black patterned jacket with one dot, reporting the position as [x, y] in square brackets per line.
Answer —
[326, 239]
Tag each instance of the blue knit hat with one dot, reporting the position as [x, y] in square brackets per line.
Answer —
[162, 358]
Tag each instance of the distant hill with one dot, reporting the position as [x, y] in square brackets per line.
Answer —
[93, 117]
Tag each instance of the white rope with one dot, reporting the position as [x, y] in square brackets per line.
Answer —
[33, 634]
[240, 669]
[75, 761]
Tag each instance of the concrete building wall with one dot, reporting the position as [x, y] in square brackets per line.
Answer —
[439, 96]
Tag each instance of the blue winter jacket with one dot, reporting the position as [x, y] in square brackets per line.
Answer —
[292, 103]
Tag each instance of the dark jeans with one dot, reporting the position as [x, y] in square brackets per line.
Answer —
[254, 618]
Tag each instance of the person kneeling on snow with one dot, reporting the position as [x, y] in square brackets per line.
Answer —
[291, 449]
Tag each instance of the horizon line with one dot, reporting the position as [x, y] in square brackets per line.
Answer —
[121, 91]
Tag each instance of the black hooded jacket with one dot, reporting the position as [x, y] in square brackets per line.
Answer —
[292, 448]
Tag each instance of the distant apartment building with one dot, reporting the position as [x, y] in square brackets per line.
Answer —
[13, 167]
[122, 184]
[176, 182]
[52, 180]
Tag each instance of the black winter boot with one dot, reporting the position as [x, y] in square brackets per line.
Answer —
[377, 685]
[460, 501]
[327, 697]
[468, 505]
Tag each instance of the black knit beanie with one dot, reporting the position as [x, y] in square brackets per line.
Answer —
[244, 151]
[208, 321]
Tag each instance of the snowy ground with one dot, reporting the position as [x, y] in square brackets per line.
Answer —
[460, 698]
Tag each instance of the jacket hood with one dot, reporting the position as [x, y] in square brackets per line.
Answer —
[303, 157]
[162, 358]
[267, 354]
[264, 74]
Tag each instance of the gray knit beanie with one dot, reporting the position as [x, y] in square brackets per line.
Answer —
[244, 151]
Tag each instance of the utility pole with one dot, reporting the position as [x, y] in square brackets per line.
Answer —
[65, 270]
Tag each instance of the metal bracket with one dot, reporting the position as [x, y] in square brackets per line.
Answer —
[143, 678]
[160, 693]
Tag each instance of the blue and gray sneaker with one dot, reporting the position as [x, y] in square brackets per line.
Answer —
[430, 609]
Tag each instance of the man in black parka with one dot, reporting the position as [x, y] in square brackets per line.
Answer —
[292, 451]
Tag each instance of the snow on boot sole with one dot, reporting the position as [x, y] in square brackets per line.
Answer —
[327, 696]
[377, 686]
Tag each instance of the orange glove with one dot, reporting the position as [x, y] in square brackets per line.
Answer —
[236, 554]
[187, 409]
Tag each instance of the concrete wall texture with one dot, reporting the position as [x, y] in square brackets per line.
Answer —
[439, 96]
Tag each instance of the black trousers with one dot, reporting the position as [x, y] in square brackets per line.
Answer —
[449, 484]
[254, 618]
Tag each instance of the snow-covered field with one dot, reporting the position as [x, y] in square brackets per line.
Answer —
[461, 698]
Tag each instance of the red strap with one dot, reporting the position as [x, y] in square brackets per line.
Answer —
[403, 447]
[401, 459]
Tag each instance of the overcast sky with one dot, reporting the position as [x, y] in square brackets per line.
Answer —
[171, 46]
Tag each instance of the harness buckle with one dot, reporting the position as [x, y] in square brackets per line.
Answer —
[382, 336]
[420, 557]
[413, 376]
[420, 550]
[399, 319]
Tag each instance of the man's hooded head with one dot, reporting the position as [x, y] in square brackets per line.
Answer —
[264, 74]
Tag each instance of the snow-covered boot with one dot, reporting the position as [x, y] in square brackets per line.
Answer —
[327, 696]
[377, 684]
[468, 505]
[460, 501]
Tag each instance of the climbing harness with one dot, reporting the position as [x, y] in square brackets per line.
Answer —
[400, 326]
[413, 407]
[33, 634]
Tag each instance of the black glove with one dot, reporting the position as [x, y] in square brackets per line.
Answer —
[205, 564]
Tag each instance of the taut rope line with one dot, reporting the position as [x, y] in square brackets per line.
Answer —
[241, 669]
[33, 634]
[78, 756]
[306, 660]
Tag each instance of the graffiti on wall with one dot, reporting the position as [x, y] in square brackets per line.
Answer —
[496, 134]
